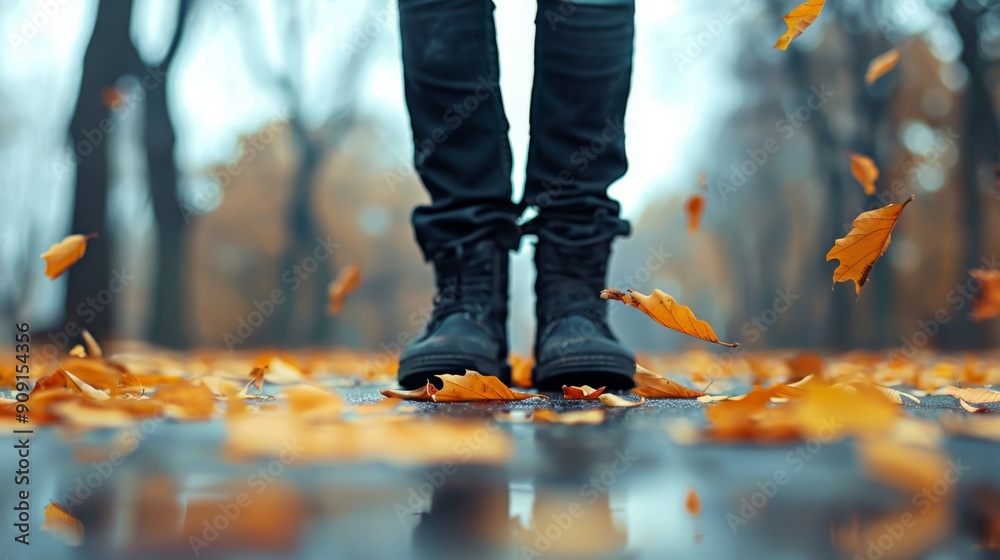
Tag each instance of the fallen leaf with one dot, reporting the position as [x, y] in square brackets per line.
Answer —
[186, 400]
[880, 65]
[129, 387]
[798, 20]
[666, 311]
[865, 171]
[419, 394]
[585, 392]
[803, 365]
[346, 282]
[78, 352]
[971, 394]
[63, 524]
[313, 402]
[573, 417]
[86, 388]
[895, 395]
[974, 409]
[986, 301]
[649, 384]
[474, 386]
[65, 254]
[615, 401]
[693, 503]
[862, 247]
[694, 207]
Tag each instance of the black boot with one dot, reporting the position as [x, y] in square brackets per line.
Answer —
[574, 345]
[468, 328]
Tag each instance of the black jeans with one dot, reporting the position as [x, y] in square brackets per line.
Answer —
[583, 71]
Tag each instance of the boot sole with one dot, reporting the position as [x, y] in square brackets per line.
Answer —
[613, 372]
[416, 372]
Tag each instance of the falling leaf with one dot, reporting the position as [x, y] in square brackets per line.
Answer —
[880, 66]
[618, 402]
[974, 409]
[694, 207]
[78, 352]
[655, 386]
[590, 416]
[474, 386]
[346, 282]
[862, 247]
[986, 301]
[93, 348]
[971, 394]
[419, 394]
[63, 524]
[865, 171]
[798, 20]
[666, 311]
[693, 503]
[520, 371]
[585, 392]
[65, 254]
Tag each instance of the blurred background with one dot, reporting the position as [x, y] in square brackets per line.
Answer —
[216, 145]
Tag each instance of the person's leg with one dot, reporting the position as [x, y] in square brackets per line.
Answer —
[462, 154]
[583, 71]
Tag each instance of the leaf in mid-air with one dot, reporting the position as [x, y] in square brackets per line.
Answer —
[861, 248]
[666, 311]
[798, 20]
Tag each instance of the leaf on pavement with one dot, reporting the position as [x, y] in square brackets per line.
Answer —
[419, 394]
[342, 286]
[475, 386]
[585, 392]
[93, 348]
[971, 394]
[128, 387]
[186, 400]
[86, 388]
[880, 66]
[573, 417]
[895, 395]
[862, 247]
[798, 20]
[986, 302]
[63, 524]
[617, 402]
[655, 386]
[973, 409]
[694, 207]
[65, 254]
[310, 401]
[666, 311]
[865, 171]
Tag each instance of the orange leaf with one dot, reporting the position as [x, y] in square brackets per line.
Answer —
[865, 172]
[666, 311]
[86, 388]
[694, 207]
[693, 503]
[617, 402]
[655, 386]
[986, 302]
[128, 387]
[186, 400]
[307, 400]
[63, 524]
[862, 247]
[65, 254]
[420, 394]
[975, 395]
[474, 386]
[805, 364]
[798, 20]
[585, 392]
[881, 65]
[520, 371]
[346, 282]
[113, 98]
[78, 352]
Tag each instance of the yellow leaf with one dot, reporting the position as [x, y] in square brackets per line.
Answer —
[573, 417]
[585, 392]
[865, 172]
[881, 65]
[666, 311]
[798, 20]
[186, 400]
[862, 247]
[310, 401]
[655, 386]
[694, 207]
[346, 282]
[618, 402]
[474, 386]
[63, 524]
[78, 352]
[972, 394]
[65, 254]
[986, 302]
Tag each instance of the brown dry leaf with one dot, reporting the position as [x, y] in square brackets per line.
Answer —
[973, 409]
[65, 254]
[693, 503]
[475, 386]
[862, 247]
[615, 401]
[63, 524]
[420, 394]
[694, 207]
[798, 20]
[865, 171]
[880, 66]
[346, 282]
[666, 311]
[573, 417]
[585, 392]
[78, 352]
[971, 394]
[649, 384]
[986, 302]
